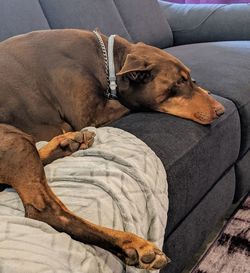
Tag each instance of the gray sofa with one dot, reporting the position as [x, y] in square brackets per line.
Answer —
[208, 167]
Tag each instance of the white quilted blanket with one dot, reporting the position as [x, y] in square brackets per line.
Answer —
[118, 183]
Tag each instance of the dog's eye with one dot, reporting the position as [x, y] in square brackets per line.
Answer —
[193, 80]
[181, 80]
[173, 92]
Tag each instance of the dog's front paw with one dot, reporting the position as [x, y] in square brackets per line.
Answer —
[73, 141]
[65, 145]
[141, 253]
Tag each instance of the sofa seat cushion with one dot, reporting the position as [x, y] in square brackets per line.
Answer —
[145, 22]
[87, 14]
[224, 69]
[18, 17]
[194, 156]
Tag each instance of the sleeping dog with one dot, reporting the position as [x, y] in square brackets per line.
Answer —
[52, 84]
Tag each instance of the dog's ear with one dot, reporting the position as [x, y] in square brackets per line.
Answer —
[136, 69]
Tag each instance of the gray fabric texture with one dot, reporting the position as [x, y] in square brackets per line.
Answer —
[145, 22]
[194, 156]
[87, 14]
[194, 229]
[207, 23]
[18, 17]
[118, 182]
[224, 69]
[242, 169]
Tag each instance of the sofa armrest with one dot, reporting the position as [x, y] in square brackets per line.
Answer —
[207, 23]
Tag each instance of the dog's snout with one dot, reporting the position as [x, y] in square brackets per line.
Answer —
[219, 111]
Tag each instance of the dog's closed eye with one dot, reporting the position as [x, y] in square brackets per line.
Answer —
[181, 81]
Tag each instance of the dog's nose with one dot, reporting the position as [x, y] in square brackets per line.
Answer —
[219, 112]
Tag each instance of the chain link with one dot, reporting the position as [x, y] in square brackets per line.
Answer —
[105, 57]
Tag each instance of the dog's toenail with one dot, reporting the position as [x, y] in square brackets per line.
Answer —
[160, 263]
[157, 251]
[132, 256]
[148, 258]
[74, 146]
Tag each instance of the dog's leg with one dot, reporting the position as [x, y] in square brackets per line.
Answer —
[21, 167]
[66, 144]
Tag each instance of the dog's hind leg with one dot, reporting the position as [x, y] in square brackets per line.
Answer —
[21, 168]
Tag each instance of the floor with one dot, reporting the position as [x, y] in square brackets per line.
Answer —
[212, 236]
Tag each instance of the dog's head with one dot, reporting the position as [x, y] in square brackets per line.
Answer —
[153, 79]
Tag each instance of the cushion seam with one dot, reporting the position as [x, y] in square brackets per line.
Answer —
[171, 43]
[242, 156]
[44, 13]
[122, 20]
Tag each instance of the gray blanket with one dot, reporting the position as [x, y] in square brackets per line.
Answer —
[118, 183]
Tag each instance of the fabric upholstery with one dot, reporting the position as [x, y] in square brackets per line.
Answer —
[222, 68]
[183, 243]
[18, 17]
[209, 1]
[194, 156]
[87, 14]
[207, 23]
[242, 170]
[145, 22]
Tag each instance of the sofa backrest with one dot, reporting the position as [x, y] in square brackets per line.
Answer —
[135, 20]
[85, 14]
[204, 23]
[20, 16]
[145, 22]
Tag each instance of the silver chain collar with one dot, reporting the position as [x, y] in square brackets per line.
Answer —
[107, 92]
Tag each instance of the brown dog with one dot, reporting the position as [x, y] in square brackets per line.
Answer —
[51, 84]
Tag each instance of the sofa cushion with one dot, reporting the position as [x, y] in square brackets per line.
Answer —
[195, 156]
[18, 17]
[199, 23]
[87, 14]
[224, 69]
[242, 171]
[188, 237]
[145, 22]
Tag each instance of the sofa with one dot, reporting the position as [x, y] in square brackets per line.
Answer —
[208, 167]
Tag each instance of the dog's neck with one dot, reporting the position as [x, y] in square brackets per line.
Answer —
[120, 51]
[108, 58]
[90, 107]
[111, 110]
